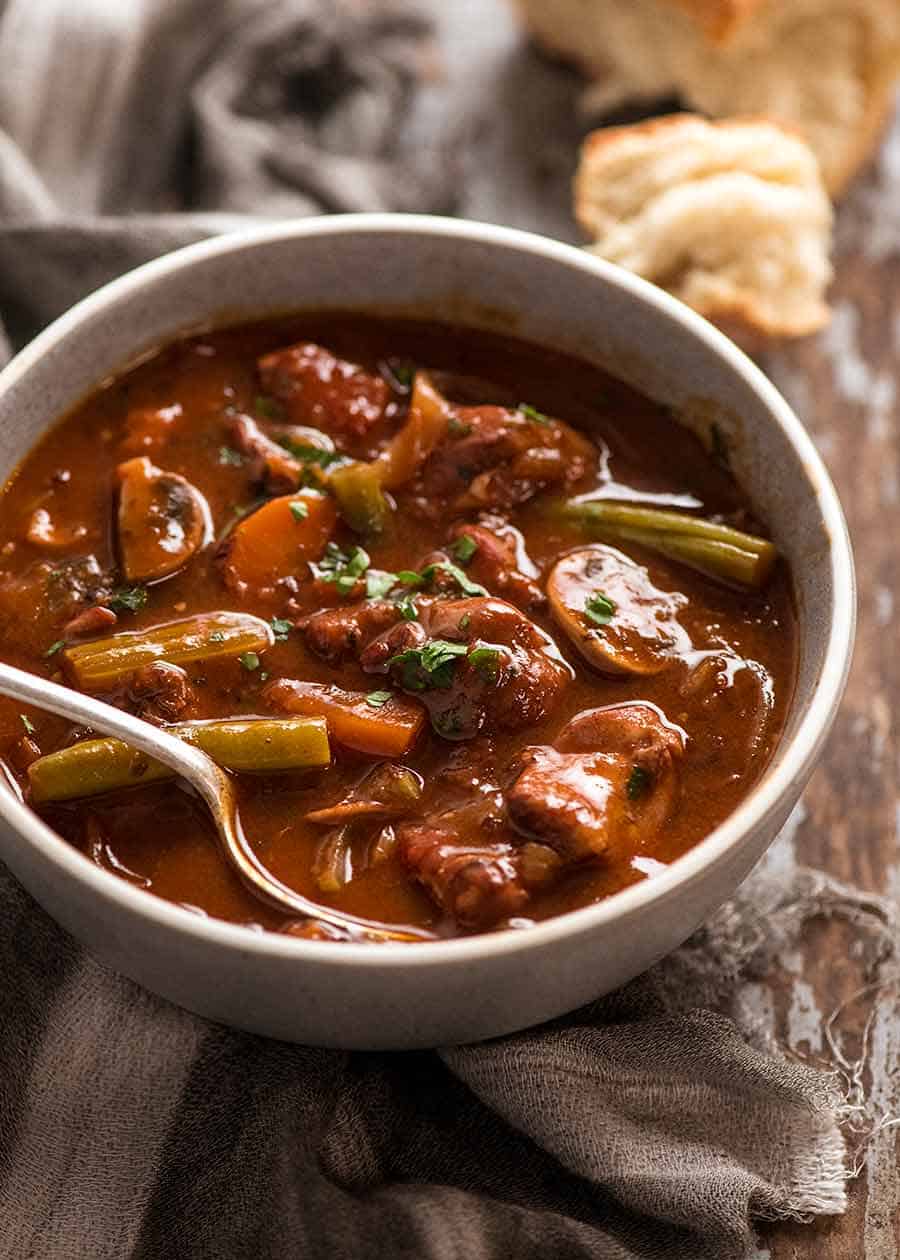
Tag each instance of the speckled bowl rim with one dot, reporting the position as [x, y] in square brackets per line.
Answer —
[797, 756]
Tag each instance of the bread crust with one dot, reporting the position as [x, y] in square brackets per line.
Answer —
[688, 203]
[718, 19]
[825, 67]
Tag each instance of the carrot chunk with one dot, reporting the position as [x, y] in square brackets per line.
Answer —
[276, 541]
[372, 725]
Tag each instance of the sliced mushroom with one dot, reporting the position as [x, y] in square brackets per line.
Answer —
[613, 614]
[162, 521]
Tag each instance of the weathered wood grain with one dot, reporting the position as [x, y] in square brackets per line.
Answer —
[514, 125]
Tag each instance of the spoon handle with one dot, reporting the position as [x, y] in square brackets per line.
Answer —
[102, 717]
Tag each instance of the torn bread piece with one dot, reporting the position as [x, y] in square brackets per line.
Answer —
[730, 217]
[826, 68]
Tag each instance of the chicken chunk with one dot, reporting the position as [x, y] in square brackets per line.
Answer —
[46, 596]
[495, 555]
[338, 633]
[162, 693]
[319, 389]
[95, 620]
[270, 464]
[476, 664]
[476, 886]
[610, 781]
[495, 457]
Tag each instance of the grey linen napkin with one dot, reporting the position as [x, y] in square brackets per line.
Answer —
[647, 1125]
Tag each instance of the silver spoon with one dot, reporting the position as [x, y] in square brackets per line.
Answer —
[209, 779]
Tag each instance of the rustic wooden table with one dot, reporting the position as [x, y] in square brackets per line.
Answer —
[512, 124]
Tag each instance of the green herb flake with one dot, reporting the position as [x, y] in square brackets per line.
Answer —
[599, 609]
[299, 510]
[465, 585]
[281, 628]
[249, 660]
[431, 666]
[463, 549]
[457, 427]
[378, 699]
[487, 661]
[407, 608]
[217, 636]
[128, 599]
[409, 577]
[465, 621]
[532, 413]
[268, 408]
[27, 723]
[343, 569]
[230, 457]
[264, 676]
[638, 784]
[379, 583]
[54, 648]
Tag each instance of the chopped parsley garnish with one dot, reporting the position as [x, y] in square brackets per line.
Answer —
[409, 578]
[457, 427]
[337, 567]
[379, 583]
[378, 699]
[281, 628]
[217, 636]
[465, 585]
[128, 599]
[54, 648]
[249, 660]
[599, 609]
[638, 783]
[430, 666]
[299, 510]
[463, 549]
[532, 413]
[269, 408]
[27, 723]
[487, 661]
[465, 621]
[343, 569]
[229, 456]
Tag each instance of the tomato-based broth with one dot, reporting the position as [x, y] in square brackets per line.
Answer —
[497, 636]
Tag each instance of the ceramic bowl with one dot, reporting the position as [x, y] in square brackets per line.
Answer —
[490, 278]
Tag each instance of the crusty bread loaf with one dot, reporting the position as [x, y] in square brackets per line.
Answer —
[825, 67]
[731, 217]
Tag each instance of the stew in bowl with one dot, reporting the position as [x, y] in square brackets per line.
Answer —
[483, 634]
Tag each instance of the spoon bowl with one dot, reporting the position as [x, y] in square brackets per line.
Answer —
[208, 779]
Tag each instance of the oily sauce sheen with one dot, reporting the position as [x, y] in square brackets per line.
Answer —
[520, 807]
